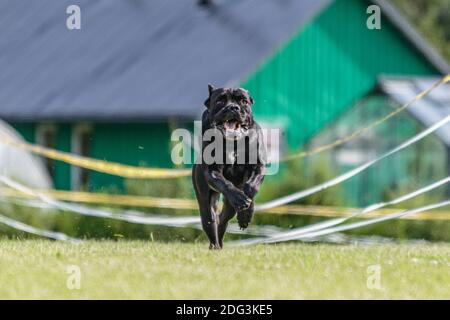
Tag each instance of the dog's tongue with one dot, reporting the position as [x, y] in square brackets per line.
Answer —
[230, 125]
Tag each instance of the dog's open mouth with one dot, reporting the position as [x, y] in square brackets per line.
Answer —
[231, 125]
[232, 129]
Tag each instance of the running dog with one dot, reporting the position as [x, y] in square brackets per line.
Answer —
[236, 172]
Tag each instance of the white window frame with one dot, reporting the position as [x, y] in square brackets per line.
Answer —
[77, 131]
[41, 131]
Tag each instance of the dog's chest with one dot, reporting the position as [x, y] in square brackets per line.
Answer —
[236, 173]
[231, 157]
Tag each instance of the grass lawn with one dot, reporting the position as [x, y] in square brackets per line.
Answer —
[152, 270]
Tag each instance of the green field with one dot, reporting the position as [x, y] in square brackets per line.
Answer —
[153, 270]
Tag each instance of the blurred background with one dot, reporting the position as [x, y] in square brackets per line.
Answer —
[138, 69]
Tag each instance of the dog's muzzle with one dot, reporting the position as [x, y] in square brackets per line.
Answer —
[231, 125]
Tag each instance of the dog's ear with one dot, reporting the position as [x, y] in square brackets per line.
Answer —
[211, 88]
[248, 94]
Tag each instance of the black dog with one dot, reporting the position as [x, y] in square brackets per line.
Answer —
[235, 172]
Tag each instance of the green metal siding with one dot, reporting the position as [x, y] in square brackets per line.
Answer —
[62, 172]
[27, 130]
[62, 178]
[133, 144]
[330, 63]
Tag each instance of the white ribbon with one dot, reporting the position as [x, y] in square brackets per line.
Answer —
[128, 216]
[302, 235]
[29, 229]
[327, 224]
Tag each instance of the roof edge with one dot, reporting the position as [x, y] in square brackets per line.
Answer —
[401, 23]
[281, 44]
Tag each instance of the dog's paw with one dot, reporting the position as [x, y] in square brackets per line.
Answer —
[250, 190]
[214, 247]
[239, 201]
[243, 225]
[244, 218]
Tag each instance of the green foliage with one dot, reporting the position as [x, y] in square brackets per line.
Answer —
[164, 188]
[422, 200]
[300, 175]
[86, 227]
[432, 19]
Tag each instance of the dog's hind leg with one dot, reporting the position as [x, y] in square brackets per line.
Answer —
[207, 201]
[210, 219]
[226, 215]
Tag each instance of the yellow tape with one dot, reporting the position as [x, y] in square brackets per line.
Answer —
[108, 167]
[103, 198]
[134, 172]
[188, 204]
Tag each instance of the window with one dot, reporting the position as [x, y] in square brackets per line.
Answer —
[81, 145]
[46, 137]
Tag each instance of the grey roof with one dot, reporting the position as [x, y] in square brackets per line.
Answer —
[133, 59]
[427, 110]
[139, 60]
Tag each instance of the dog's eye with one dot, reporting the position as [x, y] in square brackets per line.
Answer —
[244, 101]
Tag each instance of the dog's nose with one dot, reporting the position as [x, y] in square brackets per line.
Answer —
[234, 107]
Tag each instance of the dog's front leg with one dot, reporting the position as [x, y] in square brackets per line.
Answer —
[234, 200]
[255, 180]
[237, 198]
[251, 187]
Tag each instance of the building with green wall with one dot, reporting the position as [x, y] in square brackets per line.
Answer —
[420, 164]
[115, 91]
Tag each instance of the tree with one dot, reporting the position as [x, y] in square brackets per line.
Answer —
[432, 19]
